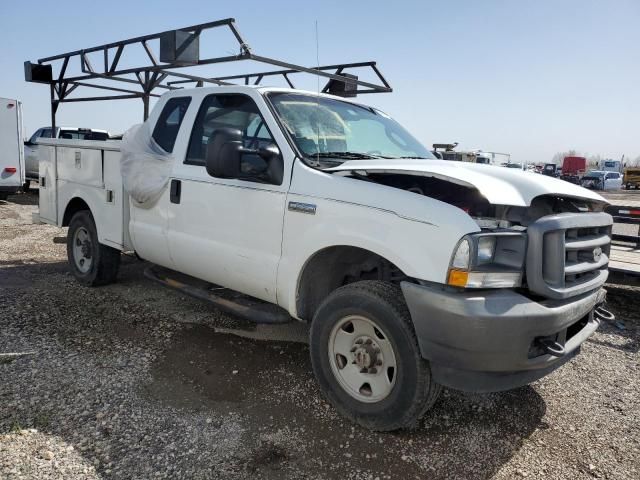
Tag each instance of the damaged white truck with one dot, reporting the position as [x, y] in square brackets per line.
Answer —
[413, 273]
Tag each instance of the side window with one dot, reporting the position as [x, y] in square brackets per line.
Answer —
[239, 112]
[169, 121]
[35, 136]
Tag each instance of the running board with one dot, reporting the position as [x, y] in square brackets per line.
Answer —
[249, 308]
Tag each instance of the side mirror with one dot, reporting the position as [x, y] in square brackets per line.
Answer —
[269, 152]
[224, 153]
[29, 143]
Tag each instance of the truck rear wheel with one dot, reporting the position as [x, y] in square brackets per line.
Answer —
[366, 358]
[91, 262]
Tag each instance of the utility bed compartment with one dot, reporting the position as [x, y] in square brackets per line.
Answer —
[88, 171]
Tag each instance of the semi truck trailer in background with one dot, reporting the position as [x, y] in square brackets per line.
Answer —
[573, 168]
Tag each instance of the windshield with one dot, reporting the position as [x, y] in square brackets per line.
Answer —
[594, 174]
[331, 131]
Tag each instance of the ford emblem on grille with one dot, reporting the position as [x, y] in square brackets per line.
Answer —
[597, 253]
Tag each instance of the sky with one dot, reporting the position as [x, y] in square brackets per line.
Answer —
[531, 78]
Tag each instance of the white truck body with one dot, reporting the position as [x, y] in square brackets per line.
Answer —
[295, 241]
[12, 172]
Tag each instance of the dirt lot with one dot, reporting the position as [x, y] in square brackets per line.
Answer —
[135, 381]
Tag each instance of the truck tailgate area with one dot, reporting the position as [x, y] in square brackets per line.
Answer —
[75, 171]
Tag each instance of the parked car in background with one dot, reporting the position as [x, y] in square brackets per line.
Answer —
[69, 133]
[550, 169]
[514, 165]
[573, 169]
[11, 153]
[601, 180]
[631, 177]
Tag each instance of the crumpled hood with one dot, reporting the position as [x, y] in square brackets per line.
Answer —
[499, 185]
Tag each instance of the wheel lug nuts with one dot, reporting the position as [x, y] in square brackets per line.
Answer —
[379, 363]
[364, 370]
[373, 370]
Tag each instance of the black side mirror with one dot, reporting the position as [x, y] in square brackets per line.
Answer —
[269, 152]
[224, 153]
[224, 157]
[28, 143]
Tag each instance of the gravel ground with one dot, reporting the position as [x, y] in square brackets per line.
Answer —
[136, 381]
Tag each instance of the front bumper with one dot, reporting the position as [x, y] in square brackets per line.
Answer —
[485, 341]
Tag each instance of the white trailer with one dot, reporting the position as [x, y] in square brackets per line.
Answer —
[11, 147]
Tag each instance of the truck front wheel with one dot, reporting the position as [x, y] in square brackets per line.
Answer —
[366, 358]
[91, 262]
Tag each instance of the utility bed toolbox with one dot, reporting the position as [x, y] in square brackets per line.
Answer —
[89, 170]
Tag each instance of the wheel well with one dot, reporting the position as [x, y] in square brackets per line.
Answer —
[74, 206]
[336, 266]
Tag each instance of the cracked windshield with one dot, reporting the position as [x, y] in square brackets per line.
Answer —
[329, 132]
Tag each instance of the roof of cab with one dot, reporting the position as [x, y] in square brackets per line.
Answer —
[259, 88]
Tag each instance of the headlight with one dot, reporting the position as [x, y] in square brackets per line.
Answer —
[486, 260]
[486, 248]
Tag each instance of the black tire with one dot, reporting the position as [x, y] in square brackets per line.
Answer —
[627, 187]
[4, 196]
[105, 260]
[414, 391]
[26, 187]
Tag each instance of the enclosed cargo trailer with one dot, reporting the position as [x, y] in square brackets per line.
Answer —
[11, 147]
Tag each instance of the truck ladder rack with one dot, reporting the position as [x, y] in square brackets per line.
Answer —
[178, 49]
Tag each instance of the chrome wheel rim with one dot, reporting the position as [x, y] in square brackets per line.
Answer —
[82, 250]
[362, 359]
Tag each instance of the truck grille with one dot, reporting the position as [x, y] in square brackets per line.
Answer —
[568, 253]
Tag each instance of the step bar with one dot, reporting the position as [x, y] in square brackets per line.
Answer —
[245, 307]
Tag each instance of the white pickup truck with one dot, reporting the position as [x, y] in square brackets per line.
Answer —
[31, 148]
[412, 272]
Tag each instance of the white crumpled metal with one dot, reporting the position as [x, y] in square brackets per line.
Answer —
[144, 165]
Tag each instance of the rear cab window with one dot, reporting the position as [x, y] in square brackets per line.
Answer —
[168, 124]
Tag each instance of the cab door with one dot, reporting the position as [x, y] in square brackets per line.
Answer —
[228, 231]
[31, 153]
[149, 223]
[612, 181]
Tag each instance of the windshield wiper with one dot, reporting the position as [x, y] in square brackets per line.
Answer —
[345, 155]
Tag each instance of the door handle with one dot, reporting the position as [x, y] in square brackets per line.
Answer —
[175, 190]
